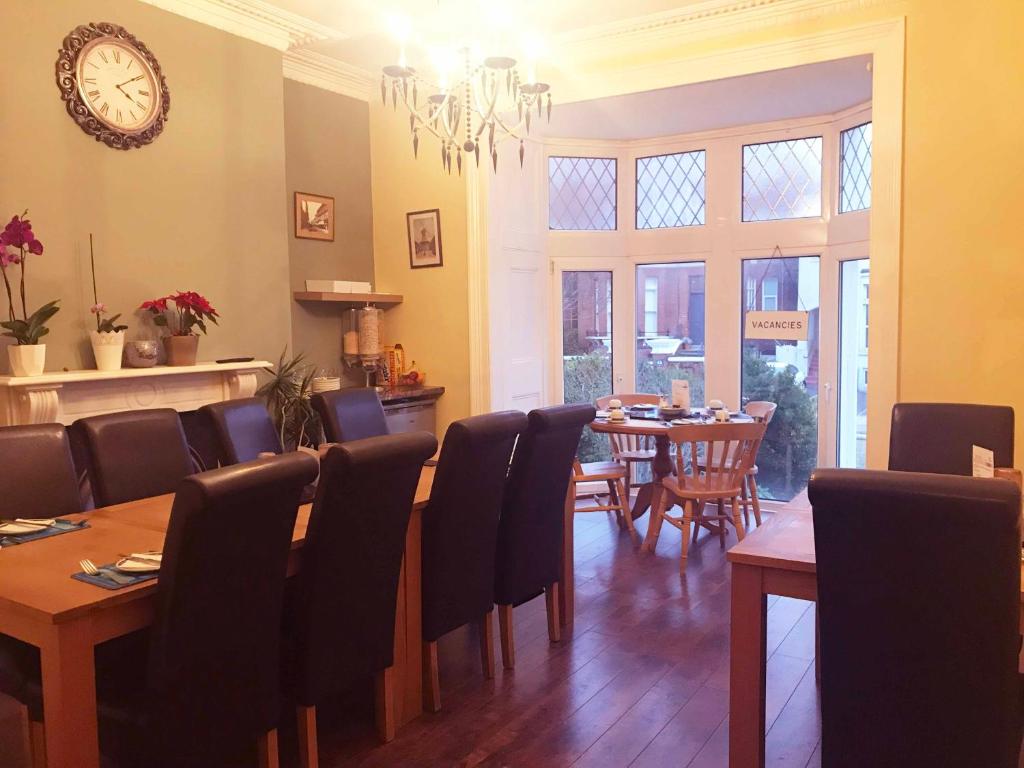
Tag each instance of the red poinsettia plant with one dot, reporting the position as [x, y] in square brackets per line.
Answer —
[17, 243]
[191, 310]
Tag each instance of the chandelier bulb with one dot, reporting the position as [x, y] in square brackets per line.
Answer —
[494, 159]
[522, 152]
[476, 151]
[549, 107]
[383, 90]
[415, 144]
[394, 96]
[458, 160]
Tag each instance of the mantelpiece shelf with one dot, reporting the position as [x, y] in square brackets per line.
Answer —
[378, 299]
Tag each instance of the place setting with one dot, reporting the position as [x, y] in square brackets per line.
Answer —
[128, 570]
[23, 530]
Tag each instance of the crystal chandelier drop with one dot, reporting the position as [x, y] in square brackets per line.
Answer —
[487, 103]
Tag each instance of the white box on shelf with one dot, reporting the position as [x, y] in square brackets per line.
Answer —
[329, 286]
[357, 287]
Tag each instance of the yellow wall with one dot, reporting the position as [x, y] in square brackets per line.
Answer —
[202, 208]
[432, 324]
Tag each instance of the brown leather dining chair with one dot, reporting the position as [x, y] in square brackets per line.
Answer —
[937, 437]
[243, 429]
[341, 614]
[919, 630]
[530, 530]
[460, 532]
[134, 454]
[201, 686]
[353, 413]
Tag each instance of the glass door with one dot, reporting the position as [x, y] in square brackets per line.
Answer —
[587, 346]
[853, 363]
[783, 372]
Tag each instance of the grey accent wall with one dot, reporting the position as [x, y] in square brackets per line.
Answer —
[327, 152]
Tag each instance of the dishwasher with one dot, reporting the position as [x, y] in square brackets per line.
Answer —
[411, 417]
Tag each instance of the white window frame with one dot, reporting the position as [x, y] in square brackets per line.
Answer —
[773, 294]
[650, 290]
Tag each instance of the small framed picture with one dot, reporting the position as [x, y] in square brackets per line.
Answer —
[424, 228]
[314, 216]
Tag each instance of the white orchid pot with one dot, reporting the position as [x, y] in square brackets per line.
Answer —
[107, 348]
[27, 359]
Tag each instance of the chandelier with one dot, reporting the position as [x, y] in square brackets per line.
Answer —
[486, 103]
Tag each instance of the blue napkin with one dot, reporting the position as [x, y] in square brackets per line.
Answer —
[111, 578]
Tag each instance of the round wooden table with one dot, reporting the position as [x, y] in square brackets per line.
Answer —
[662, 466]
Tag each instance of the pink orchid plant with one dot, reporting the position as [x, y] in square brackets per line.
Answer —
[17, 243]
[103, 324]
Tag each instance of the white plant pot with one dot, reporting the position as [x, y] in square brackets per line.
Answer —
[107, 349]
[27, 359]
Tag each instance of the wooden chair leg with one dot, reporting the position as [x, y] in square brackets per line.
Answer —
[627, 513]
[613, 500]
[487, 644]
[36, 742]
[687, 522]
[721, 524]
[755, 500]
[431, 684]
[508, 641]
[384, 687]
[698, 521]
[305, 719]
[554, 621]
[266, 750]
[737, 521]
[745, 501]
[656, 519]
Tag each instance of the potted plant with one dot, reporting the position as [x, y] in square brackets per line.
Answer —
[27, 356]
[108, 338]
[287, 394]
[191, 311]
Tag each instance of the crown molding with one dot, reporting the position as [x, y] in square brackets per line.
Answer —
[254, 20]
[702, 19]
[325, 72]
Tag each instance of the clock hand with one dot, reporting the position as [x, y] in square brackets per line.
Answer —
[138, 77]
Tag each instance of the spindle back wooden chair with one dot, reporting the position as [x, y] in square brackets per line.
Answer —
[630, 450]
[697, 481]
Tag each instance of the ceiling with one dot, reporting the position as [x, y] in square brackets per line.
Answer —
[815, 89]
[366, 39]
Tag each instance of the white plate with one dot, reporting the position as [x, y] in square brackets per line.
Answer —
[128, 565]
[16, 529]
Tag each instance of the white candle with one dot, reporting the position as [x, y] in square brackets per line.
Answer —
[351, 343]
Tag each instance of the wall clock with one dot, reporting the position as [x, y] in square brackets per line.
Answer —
[112, 85]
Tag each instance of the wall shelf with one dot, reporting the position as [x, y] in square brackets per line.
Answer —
[383, 300]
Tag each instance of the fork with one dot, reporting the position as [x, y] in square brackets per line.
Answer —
[89, 567]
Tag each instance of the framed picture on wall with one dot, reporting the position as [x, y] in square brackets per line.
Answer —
[314, 216]
[424, 229]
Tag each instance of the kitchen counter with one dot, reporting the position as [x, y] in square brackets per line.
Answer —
[396, 395]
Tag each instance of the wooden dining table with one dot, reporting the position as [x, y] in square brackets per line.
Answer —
[661, 465]
[42, 605]
[775, 559]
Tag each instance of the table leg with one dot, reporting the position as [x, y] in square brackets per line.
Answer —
[661, 467]
[567, 589]
[747, 668]
[69, 697]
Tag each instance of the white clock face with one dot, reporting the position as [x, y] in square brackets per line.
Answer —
[118, 85]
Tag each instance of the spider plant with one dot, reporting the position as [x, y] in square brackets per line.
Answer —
[287, 394]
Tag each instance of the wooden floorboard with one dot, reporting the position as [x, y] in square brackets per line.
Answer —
[640, 680]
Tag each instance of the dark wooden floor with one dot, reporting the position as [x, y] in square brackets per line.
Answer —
[641, 681]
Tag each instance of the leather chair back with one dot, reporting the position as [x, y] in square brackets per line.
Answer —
[243, 429]
[460, 524]
[937, 437]
[214, 657]
[530, 530]
[343, 616]
[353, 413]
[134, 454]
[919, 609]
[37, 478]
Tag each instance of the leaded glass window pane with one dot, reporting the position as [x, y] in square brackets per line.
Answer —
[670, 190]
[855, 169]
[782, 180]
[581, 193]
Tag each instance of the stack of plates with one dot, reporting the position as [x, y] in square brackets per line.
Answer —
[326, 384]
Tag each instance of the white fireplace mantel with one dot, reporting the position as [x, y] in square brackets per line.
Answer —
[66, 396]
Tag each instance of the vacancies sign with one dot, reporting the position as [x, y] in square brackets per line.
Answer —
[788, 326]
